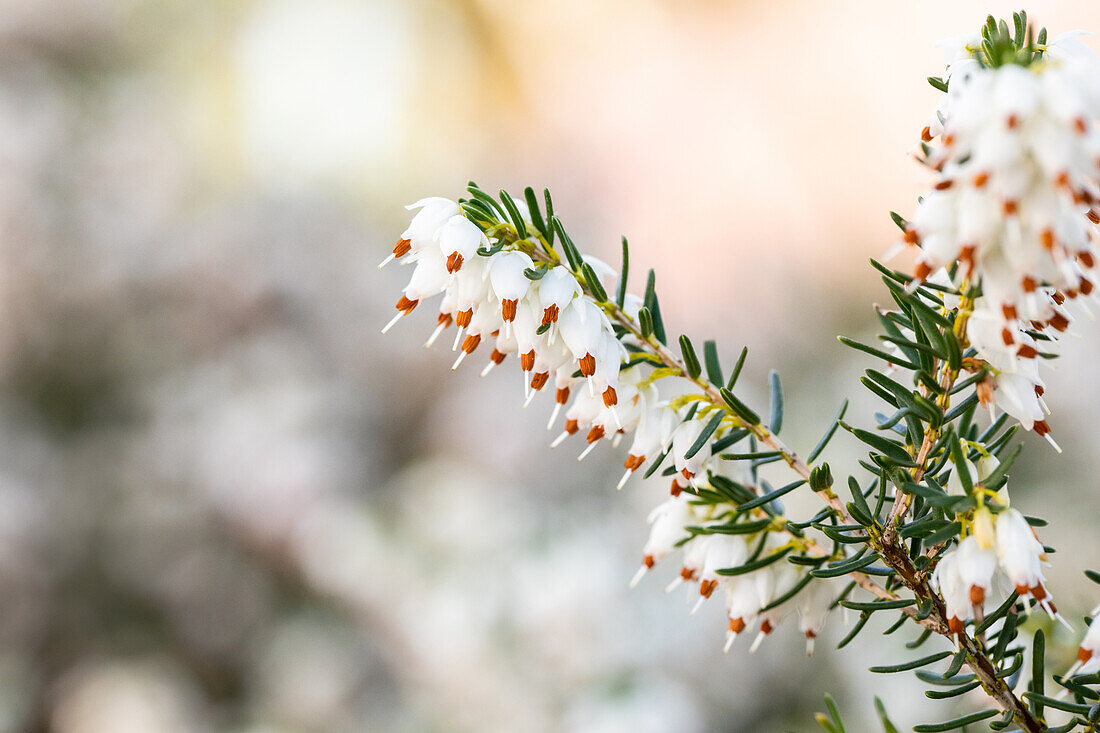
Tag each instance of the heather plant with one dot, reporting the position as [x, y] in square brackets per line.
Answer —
[922, 527]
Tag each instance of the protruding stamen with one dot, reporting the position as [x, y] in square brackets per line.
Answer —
[550, 315]
[570, 428]
[1041, 428]
[984, 390]
[894, 250]
[527, 361]
[610, 397]
[538, 381]
[810, 637]
[587, 450]
[508, 309]
[615, 417]
[966, 257]
[554, 415]
[399, 250]
[442, 323]
[454, 262]
[588, 364]
[471, 342]
[463, 318]
[393, 320]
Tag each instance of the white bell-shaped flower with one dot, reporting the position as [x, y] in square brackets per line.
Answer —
[955, 592]
[813, 605]
[556, 289]
[509, 281]
[742, 606]
[1021, 554]
[459, 240]
[1088, 655]
[421, 232]
[682, 441]
[976, 565]
[667, 527]
[429, 278]
[582, 326]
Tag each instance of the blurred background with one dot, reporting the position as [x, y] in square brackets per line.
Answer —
[228, 504]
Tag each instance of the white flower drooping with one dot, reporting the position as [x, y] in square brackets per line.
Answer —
[1016, 154]
[1088, 655]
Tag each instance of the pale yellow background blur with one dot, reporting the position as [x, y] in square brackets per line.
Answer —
[227, 503]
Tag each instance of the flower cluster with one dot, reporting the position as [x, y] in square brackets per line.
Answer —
[768, 594]
[1007, 256]
[1016, 151]
[998, 553]
[1002, 546]
[540, 314]
[511, 294]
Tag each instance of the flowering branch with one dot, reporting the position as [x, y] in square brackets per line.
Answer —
[1005, 242]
